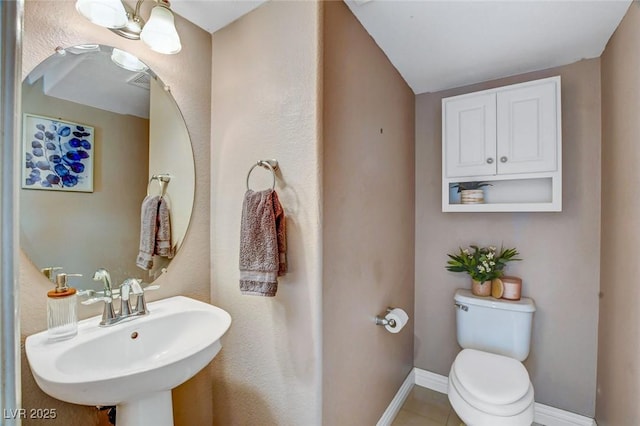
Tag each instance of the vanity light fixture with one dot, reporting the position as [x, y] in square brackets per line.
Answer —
[159, 32]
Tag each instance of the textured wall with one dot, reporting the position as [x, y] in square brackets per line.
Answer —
[561, 251]
[619, 336]
[368, 221]
[49, 24]
[266, 104]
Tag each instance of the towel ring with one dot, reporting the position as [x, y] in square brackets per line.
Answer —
[163, 180]
[272, 165]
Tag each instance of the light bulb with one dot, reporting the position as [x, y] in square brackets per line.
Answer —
[160, 33]
[106, 13]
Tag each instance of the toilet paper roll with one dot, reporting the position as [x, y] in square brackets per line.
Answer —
[399, 316]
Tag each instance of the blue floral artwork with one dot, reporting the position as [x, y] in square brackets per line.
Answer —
[57, 155]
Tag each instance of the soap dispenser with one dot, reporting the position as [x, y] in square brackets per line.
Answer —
[62, 314]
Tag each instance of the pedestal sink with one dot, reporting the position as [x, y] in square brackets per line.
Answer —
[132, 365]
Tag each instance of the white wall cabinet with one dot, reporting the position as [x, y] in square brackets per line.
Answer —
[509, 136]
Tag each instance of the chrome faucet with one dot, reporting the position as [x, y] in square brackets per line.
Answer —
[103, 275]
[108, 313]
[126, 289]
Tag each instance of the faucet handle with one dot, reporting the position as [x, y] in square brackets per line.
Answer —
[125, 291]
[136, 286]
[141, 303]
[151, 287]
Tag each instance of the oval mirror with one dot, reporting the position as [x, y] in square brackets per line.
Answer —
[101, 133]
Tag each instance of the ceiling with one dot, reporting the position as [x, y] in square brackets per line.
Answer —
[86, 75]
[437, 45]
[211, 15]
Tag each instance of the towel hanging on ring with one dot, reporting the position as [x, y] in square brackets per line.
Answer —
[263, 244]
[155, 225]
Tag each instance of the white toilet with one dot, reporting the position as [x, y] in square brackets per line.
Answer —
[488, 385]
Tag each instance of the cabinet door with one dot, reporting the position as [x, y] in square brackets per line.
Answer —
[527, 128]
[469, 135]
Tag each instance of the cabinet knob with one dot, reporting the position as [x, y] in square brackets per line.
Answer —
[503, 159]
[489, 160]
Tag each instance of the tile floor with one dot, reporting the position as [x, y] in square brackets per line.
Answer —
[425, 407]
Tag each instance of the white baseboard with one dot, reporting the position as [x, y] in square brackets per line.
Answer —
[551, 416]
[543, 414]
[396, 403]
[432, 381]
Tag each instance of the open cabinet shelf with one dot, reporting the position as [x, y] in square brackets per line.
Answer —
[532, 193]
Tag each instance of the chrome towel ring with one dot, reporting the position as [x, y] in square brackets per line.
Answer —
[271, 165]
[163, 180]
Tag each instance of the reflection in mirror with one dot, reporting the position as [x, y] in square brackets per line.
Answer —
[138, 132]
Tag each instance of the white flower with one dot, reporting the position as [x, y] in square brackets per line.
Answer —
[466, 251]
[492, 263]
[490, 255]
[492, 248]
[485, 264]
[480, 268]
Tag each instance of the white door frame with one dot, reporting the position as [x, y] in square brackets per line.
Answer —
[11, 18]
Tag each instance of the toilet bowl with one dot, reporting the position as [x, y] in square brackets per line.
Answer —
[488, 385]
[486, 389]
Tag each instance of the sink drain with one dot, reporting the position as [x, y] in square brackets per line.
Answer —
[134, 335]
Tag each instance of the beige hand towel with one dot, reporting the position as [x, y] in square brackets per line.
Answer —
[163, 233]
[262, 243]
[148, 229]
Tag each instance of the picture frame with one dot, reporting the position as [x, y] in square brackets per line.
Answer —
[57, 155]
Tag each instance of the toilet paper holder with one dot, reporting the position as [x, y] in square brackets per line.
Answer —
[383, 321]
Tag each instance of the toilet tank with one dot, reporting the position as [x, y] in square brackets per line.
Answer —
[494, 325]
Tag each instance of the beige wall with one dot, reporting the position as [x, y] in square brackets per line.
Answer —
[368, 222]
[266, 104]
[169, 153]
[561, 251]
[46, 217]
[619, 336]
[49, 24]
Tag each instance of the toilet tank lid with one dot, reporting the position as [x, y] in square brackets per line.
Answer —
[465, 296]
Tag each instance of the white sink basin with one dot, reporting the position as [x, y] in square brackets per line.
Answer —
[133, 365]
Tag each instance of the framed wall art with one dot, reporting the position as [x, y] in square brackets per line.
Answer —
[57, 155]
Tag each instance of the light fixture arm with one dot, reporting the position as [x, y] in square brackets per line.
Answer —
[135, 22]
[136, 13]
[134, 27]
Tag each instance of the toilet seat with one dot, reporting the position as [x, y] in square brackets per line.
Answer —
[490, 389]
[494, 379]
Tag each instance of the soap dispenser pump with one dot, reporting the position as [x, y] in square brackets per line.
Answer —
[62, 314]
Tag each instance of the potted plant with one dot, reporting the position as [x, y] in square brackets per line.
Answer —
[471, 192]
[483, 264]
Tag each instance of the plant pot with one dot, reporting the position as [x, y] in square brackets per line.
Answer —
[472, 196]
[481, 288]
